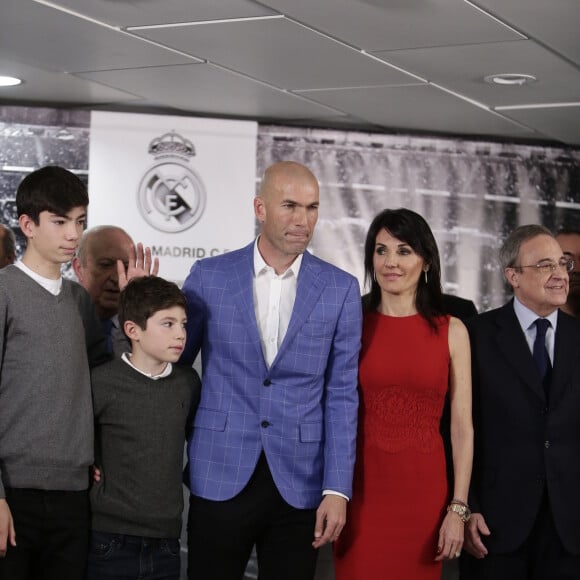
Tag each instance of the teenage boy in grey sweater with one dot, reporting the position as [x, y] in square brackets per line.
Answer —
[144, 407]
[49, 333]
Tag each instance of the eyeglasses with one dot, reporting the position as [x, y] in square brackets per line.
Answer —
[550, 267]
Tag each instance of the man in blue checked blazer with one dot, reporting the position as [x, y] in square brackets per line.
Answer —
[273, 446]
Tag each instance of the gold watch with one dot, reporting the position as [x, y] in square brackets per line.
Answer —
[462, 511]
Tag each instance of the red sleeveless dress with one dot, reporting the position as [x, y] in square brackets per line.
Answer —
[400, 487]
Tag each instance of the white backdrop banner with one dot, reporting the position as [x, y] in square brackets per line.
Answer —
[182, 185]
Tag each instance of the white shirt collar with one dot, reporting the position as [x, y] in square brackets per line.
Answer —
[527, 317]
[261, 266]
[166, 371]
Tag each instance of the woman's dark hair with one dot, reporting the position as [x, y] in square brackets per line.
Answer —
[411, 228]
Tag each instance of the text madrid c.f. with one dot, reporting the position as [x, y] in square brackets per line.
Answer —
[184, 252]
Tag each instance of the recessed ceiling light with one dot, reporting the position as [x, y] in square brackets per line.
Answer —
[9, 81]
[510, 79]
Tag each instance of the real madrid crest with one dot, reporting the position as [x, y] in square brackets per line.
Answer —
[171, 196]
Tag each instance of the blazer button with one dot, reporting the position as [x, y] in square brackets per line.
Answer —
[267, 382]
[265, 424]
[547, 444]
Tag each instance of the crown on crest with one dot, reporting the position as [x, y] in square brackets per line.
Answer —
[171, 144]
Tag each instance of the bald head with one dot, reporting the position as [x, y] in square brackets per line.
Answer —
[285, 173]
[96, 266]
[287, 208]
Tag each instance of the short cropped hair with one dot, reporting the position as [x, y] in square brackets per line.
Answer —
[143, 297]
[510, 249]
[52, 189]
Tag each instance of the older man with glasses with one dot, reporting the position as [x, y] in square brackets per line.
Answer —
[526, 380]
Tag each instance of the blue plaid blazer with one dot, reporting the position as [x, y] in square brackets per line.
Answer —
[302, 411]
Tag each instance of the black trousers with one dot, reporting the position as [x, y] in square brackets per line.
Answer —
[221, 534]
[541, 557]
[52, 535]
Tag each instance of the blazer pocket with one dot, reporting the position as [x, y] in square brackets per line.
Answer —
[210, 419]
[318, 328]
[311, 432]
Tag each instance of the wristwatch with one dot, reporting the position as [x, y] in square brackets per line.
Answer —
[462, 511]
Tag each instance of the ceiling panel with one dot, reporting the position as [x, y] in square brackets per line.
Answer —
[552, 23]
[143, 12]
[421, 108]
[561, 123]
[392, 24]
[462, 69]
[279, 52]
[46, 38]
[46, 87]
[205, 89]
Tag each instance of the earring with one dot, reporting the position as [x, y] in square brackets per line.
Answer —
[426, 280]
[375, 275]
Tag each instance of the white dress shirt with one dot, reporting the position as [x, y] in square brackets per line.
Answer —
[274, 297]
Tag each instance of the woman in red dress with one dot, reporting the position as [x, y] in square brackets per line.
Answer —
[401, 523]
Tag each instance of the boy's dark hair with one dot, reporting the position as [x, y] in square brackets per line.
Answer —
[143, 297]
[52, 189]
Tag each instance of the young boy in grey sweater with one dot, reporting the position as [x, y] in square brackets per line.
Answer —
[49, 333]
[144, 407]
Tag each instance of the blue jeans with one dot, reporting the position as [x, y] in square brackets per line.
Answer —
[124, 557]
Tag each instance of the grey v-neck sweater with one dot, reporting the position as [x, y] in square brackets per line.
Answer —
[140, 429]
[46, 423]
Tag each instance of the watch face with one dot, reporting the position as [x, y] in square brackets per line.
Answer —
[462, 511]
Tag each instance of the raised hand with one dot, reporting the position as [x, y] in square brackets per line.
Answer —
[140, 264]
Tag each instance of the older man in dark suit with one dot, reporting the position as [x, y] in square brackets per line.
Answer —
[95, 266]
[526, 379]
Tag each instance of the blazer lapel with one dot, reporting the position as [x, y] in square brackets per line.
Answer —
[241, 287]
[308, 290]
[512, 344]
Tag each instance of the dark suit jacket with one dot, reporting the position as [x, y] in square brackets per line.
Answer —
[459, 307]
[523, 445]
